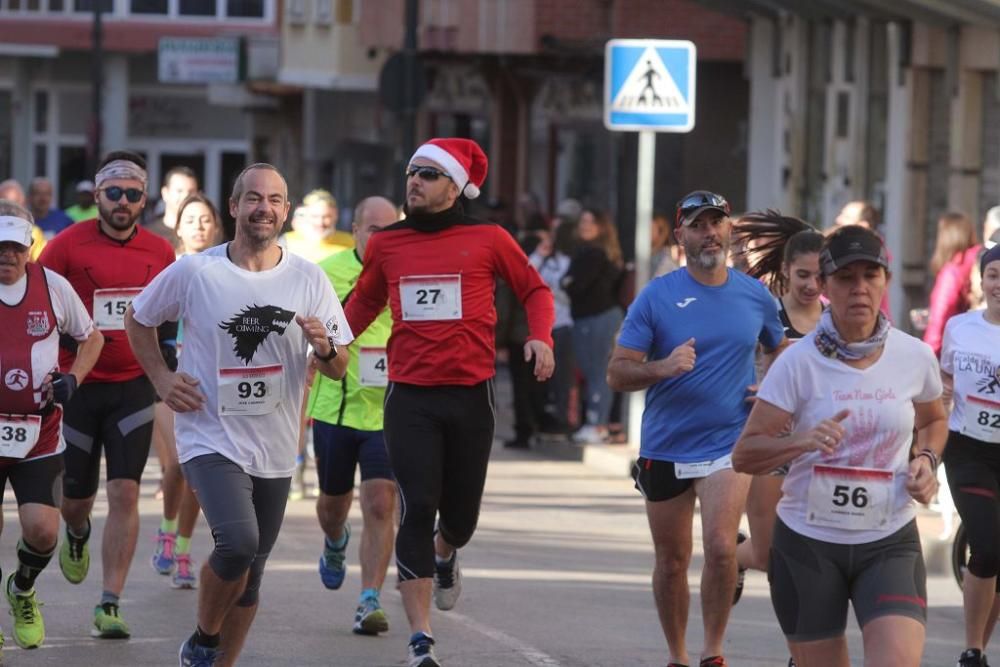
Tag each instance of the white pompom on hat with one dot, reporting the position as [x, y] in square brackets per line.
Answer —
[463, 159]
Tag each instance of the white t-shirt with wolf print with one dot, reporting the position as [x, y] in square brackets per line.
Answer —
[242, 344]
[857, 494]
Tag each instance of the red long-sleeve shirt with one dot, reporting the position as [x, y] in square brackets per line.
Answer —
[457, 351]
[950, 295]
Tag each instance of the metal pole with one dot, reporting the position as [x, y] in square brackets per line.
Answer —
[643, 218]
[97, 79]
[409, 113]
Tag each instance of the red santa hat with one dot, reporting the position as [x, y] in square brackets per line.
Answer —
[463, 159]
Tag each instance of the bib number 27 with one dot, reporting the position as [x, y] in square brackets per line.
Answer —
[844, 495]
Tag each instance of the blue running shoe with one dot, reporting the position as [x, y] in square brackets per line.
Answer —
[421, 651]
[193, 655]
[331, 564]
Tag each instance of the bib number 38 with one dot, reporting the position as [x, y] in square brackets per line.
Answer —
[19, 434]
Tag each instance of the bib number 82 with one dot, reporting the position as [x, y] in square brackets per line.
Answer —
[984, 419]
[248, 389]
[842, 495]
[13, 434]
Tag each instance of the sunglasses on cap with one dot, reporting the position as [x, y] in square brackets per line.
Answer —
[114, 193]
[426, 173]
[699, 199]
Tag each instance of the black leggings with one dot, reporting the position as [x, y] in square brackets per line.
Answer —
[439, 441]
[973, 469]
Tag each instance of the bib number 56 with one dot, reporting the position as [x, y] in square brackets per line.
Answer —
[842, 495]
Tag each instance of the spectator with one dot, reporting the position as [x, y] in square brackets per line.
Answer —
[178, 184]
[84, 208]
[857, 212]
[47, 218]
[314, 234]
[955, 254]
[592, 283]
[552, 259]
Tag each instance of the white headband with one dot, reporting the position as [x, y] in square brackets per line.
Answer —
[125, 169]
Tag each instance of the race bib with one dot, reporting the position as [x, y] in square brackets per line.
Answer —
[256, 390]
[701, 469]
[373, 367]
[982, 419]
[850, 498]
[431, 297]
[110, 306]
[19, 434]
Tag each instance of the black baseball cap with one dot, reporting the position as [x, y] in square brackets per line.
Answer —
[694, 203]
[849, 244]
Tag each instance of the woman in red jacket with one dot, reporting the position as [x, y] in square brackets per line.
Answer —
[954, 255]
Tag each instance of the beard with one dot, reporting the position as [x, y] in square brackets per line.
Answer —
[707, 259]
[113, 217]
[260, 237]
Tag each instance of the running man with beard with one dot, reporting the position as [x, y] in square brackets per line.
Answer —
[108, 261]
[250, 311]
[689, 339]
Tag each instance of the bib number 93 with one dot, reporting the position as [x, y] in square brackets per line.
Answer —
[254, 389]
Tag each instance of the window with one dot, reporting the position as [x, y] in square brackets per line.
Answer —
[88, 5]
[245, 8]
[149, 7]
[56, 5]
[41, 111]
[41, 160]
[197, 7]
[345, 11]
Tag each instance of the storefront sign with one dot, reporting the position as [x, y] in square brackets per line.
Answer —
[199, 60]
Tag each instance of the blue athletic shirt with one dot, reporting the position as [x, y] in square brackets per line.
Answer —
[698, 416]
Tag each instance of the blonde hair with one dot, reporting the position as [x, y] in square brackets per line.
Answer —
[319, 196]
[955, 234]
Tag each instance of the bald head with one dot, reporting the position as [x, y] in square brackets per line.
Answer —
[40, 196]
[370, 215]
[11, 190]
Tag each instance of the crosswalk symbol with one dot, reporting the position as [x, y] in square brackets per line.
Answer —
[649, 85]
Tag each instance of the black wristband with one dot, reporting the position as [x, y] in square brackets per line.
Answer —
[330, 356]
[930, 455]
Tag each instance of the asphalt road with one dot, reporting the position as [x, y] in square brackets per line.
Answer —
[557, 575]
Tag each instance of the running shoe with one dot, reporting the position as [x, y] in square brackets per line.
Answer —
[29, 627]
[108, 622]
[675, 664]
[370, 618]
[421, 651]
[713, 661]
[194, 655]
[447, 582]
[741, 572]
[331, 564]
[184, 574]
[74, 559]
[163, 558]
[972, 657]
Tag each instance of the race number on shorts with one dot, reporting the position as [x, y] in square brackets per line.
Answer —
[437, 297]
[850, 498]
[373, 367]
[701, 469]
[110, 306]
[256, 390]
[19, 434]
[982, 419]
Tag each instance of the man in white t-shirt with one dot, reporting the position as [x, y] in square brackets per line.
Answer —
[37, 305]
[250, 311]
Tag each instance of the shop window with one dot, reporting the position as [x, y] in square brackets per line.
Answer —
[41, 159]
[149, 7]
[197, 7]
[245, 8]
[56, 5]
[345, 11]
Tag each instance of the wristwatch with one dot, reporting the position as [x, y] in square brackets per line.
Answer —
[329, 356]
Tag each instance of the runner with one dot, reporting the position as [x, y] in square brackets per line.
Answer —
[249, 311]
[314, 234]
[178, 184]
[198, 228]
[970, 369]
[31, 397]
[689, 338]
[108, 261]
[786, 254]
[347, 432]
[853, 389]
[436, 269]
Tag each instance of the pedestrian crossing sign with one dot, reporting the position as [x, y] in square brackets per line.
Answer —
[649, 85]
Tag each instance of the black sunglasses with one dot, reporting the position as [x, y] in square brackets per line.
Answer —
[697, 200]
[114, 193]
[426, 173]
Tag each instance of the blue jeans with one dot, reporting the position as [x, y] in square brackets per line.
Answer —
[593, 339]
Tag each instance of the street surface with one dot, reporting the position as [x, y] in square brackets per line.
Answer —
[557, 575]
